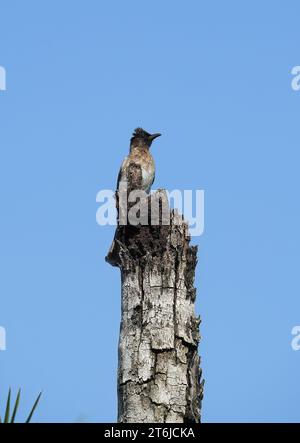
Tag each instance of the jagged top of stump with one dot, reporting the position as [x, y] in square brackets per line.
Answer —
[139, 241]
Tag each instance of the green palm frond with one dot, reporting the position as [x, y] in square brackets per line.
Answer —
[11, 418]
[33, 408]
[7, 409]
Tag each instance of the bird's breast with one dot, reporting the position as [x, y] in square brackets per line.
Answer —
[144, 159]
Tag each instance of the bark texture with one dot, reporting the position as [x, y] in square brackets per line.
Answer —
[159, 375]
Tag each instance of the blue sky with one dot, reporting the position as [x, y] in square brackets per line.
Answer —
[215, 79]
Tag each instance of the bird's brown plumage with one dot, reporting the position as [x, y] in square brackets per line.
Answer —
[138, 169]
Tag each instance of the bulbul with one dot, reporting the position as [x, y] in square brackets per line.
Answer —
[138, 168]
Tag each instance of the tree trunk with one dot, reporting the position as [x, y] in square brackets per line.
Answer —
[159, 375]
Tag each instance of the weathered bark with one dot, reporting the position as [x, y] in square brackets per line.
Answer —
[159, 375]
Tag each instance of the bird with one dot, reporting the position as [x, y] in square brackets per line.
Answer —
[138, 168]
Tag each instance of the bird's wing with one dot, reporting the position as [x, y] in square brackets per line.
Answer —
[134, 175]
[131, 173]
[121, 172]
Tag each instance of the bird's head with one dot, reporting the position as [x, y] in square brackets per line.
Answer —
[140, 137]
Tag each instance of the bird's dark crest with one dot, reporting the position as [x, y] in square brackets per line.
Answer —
[140, 133]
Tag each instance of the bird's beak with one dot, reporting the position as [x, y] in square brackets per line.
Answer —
[153, 136]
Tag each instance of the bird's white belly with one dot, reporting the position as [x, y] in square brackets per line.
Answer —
[147, 178]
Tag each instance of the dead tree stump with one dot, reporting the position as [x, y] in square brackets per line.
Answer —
[159, 375]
